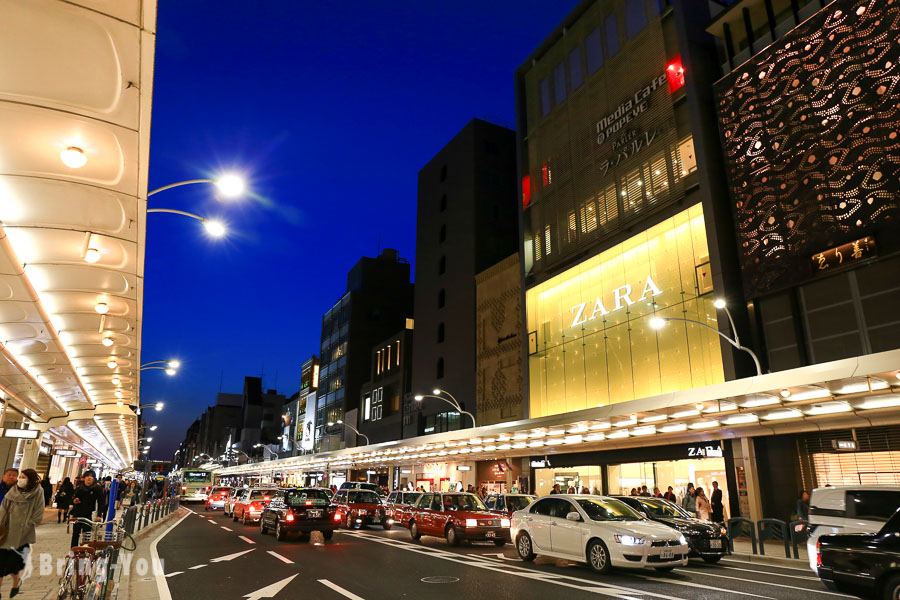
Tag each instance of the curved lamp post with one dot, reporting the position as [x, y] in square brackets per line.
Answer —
[660, 322]
[213, 227]
[171, 366]
[265, 449]
[352, 428]
[229, 185]
[436, 393]
[157, 405]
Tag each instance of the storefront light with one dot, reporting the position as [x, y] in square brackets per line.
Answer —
[616, 435]
[504, 446]
[519, 445]
[859, 385]
[686, 413]
[776, 415]
[573, 439]
[536, 444]
[828, 408]
[554, 442]
[632, 420]
[812, 393]
[653, 419]
[453, 452]
[464, 450]
[648, 430]
[556, 432]
[598, 426]
[475, 442]
[580, 428]
[537, 434]
[740, 419]
[704, 424]
[673, 428]
[759, 400]
[520, 436]
[886, 401]
[595, 437]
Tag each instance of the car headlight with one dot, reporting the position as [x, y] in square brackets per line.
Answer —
[471, 523]
[682, 540]
[504, 522]
[629, 540]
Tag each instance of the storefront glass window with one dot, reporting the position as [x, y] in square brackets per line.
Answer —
[595, 345]
[857, 468]
[677, 473]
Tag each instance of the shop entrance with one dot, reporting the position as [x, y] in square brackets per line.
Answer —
[677, 473]
[577, 477]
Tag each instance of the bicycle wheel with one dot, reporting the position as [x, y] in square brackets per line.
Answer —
[68, 587]
[128, 542]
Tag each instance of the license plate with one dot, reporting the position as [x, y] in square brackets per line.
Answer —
[362, 512]
[376, 519]
[667, 553]
[314, 514]
[490, 534]
[715, 543]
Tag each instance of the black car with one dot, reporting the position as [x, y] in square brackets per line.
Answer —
[862, 564]
[299, 510]
[708, 541]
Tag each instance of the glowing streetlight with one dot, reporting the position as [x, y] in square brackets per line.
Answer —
[436, 393]
[214, 228]
[229, 185]
[352, 428]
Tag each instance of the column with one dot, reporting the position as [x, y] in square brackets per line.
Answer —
[30, 454]
[747, 477]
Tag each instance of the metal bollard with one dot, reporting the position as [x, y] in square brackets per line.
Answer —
[799, 530]
[740, 527]
[773, 529]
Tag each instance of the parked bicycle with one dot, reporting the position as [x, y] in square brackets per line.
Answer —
[86, 575]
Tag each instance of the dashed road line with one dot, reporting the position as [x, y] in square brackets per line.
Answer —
[196, 567]
[340, 590]
[226, 529]
[280, 557]
[246, 539]
[781, 585]
[174, 574]
[773, 574]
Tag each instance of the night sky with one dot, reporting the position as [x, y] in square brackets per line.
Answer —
[329, 113]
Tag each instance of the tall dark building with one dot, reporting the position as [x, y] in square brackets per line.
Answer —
[385, 400]
[466, 222]
[221, 423]
[378, 302]
[261, 415]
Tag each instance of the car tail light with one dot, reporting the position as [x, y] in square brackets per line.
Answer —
[289, 517]
[309, 503]
[818, 554]
[337, 516]
[266, 498]
[184, 488]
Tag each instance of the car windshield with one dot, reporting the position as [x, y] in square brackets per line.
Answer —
[409, 498]
[361, 496]
[307, 498]
[661, 508]
[196, 476]
[602, 509]
[518, 502]
[462, 502]
[261, 494]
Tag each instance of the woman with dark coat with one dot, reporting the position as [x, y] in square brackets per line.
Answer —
[64, 496]
[48, 490]
[22, 510]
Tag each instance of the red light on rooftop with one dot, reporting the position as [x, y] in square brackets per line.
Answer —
[675, 74]
[526, 191]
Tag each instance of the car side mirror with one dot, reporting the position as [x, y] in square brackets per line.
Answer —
[573, 516]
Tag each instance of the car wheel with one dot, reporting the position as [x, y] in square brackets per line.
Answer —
[414, 530]
[386, 526]
[452, 536]
[233, 516]
[891, 588]
[524, 547]
[499, 543]
[712, 559]
[262, 526]
[280, 533]
[665, 569]
[349, 523]
[598, 556]
[328, 534]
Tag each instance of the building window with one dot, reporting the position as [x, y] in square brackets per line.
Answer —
[377, 404]
[545, 96]
[612, 35]
[576, 77]
[442, 265]
[559, 82]
[547, 240]
[594, 46]
[572, 232]
[537, 247]
[387, 361]
[440, 334]
[378, 363]
[687, 156]
[442, 234]
[635, 17]
[398, 352]
[439, 371]
[443, 204]
[367, 408]
[442, 298]
[444, 173]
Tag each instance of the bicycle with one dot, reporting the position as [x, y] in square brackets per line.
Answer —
[85, 574]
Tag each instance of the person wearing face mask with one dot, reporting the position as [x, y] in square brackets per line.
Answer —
[88, 498]
[8, 482]
[21, 510]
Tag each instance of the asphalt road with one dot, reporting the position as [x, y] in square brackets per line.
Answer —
[208, 556]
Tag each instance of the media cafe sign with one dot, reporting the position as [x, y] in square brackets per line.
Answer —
[621, 297]
[626, 112]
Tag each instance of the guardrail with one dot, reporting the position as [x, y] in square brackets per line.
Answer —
[792, 534]
[139, 516]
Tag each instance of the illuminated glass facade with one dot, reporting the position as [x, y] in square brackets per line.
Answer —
[590, 339]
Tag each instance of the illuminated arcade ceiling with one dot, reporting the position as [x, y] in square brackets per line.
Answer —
[72, 237]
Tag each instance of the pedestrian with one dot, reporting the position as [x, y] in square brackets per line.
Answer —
[584, 490]
[669, 495]
[556, 489]
[571, 490]
[689, 502]
[657, 493]
[87, 499]
[514, 489]
[120, 490]
[8, 482]
[47, 489]
[801, 507]
[703, 508]
[21, 511]
[715, 502]
[634, 492]
[64, 496]
[644, 492]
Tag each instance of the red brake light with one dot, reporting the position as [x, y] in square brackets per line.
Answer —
[266, 498]
[818, 554]
[337, 516]
[289, 516]
[183, 488]
[309, 502]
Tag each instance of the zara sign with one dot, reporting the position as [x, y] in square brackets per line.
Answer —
[621, 298]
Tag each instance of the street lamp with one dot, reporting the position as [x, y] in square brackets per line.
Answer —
[352, 428]
[436, 393]
[229, 185]
[203, 454]
[157, 405]
[265, 449]
[169, 366]
[214, 227]
[719, 303]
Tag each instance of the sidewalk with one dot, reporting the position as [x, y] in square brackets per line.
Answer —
[743, 550]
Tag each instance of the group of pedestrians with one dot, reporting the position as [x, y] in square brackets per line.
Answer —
[696, 502]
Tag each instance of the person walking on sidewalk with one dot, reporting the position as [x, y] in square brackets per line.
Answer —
[64, 495]
[715, 502]
[703, 507]
[669, 495]
[21, 511]
[8, 482]
[689, 502]
[88, 498]
[47, 489]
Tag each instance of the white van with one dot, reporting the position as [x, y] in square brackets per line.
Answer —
[849, 509]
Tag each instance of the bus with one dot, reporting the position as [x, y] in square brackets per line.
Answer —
[195, 484]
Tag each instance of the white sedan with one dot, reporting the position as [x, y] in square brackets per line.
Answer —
[601, 531]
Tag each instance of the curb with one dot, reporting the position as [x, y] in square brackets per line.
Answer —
[769, 560]
[141, 534]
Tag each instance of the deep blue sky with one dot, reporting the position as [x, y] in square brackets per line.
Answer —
[330, 113]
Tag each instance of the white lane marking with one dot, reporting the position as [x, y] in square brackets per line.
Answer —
[773, 574]
[624, 593]
[161, 585]
[280, 557]
[246, 539]
[340, 590]
[226, 529]
[229, 557]
[174, 574]
[270, 591]
[196, 567]
[744, 562]
[756, 581]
